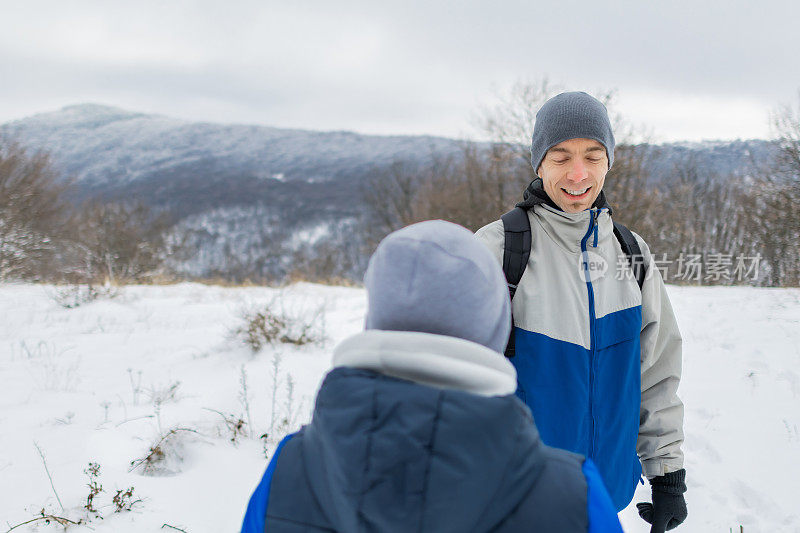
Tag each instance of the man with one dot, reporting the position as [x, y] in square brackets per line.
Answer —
[417, 427]
[598, 359]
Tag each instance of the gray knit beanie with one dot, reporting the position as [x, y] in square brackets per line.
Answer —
[574, 115]
[437, 277]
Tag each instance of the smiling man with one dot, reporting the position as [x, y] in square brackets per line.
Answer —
[596, 346]
[573, 173]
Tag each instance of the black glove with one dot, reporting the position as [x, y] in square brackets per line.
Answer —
[668, 509]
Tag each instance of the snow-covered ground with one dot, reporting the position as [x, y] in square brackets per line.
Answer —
[103, 382]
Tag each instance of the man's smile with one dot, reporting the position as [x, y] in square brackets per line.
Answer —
[577, 194]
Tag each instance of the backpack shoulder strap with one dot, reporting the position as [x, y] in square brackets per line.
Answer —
[516, 251]
[631, 248]
[517, 247]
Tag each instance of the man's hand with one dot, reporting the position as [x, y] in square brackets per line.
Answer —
[668, 509]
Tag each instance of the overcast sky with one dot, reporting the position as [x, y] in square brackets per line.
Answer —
[686, 70]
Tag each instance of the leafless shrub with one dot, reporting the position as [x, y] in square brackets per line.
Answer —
[164, 456]
[95, 488]
[51, 367]
[291, 410]
[123, 500]
[47, 518]
[268, 326]
[136, 384]
[275, 378]
[49, 476]
[234, 425]
[37, 350]
[244, 399]
[163, 393]
[283, 418]
[106, 405]
[76, 295]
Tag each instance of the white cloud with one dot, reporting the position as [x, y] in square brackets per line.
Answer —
[675, 116]
[688, 70]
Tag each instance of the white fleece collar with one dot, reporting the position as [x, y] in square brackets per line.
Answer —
[434, 360]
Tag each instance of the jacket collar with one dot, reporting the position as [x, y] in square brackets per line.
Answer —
[536, 195]
[433, 360]
[568, 230]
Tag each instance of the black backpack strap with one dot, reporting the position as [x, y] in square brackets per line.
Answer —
[631, 248]
[516, 251]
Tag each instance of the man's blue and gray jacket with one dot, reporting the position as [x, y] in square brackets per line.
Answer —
[422, 432]
[598, 360]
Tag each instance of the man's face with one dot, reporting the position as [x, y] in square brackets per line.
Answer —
[573, 173]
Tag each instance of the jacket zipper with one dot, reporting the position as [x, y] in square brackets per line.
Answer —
[592, 322]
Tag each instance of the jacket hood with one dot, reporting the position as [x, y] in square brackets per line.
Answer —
[428, 359]
[535, 194]
[387, 454]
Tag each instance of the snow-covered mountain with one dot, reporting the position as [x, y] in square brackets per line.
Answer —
[110, 149]
[195, 166]
[102, 145]
[714, 159]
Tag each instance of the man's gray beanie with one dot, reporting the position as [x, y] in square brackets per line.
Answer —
[574, 115]
[436, 277]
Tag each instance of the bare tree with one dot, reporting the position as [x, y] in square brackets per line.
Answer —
[120, 243]
[32, 211]
[509, 121]
[785, 125]
[778, 193]
[627, 186]
[391, 192]
[469, 188]
[475, 188]
[332, 259]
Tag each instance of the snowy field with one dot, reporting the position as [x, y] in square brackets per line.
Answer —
[151, 384]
